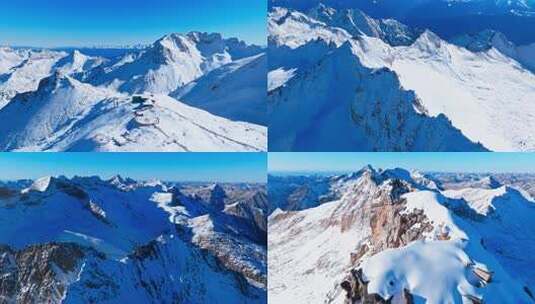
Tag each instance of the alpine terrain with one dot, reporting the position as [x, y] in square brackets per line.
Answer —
[88, 240]
[340, 80]
[185, 92]
[394, 236]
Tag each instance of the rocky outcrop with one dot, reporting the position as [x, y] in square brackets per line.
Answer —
[39, 273]
[217, 197]
[391, 226]
[253, 210]
[357, 292]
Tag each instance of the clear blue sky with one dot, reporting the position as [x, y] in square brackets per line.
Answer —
[220, 167]
[445, 162]
[118, 22]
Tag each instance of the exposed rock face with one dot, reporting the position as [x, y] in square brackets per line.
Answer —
[356, 289]
[253, 209]
[391, 226]
[38, 274]
[217, 197]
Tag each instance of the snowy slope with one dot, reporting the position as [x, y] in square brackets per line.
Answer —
[446, 79]
[67, 115]
[293, 29]
[10, 58]
[485, 40]
[25, 75]
[235, 91]
[92, 240]
[467, 86]
[389, 237]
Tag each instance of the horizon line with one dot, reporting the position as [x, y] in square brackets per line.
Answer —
[132, 45]
[418, 170]
[135, 179]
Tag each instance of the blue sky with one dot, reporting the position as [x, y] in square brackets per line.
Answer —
[446, 162]
[220, 167]
[118, 22]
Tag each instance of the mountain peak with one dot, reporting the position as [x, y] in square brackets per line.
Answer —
[429, 38]
[117, 179]
[490, 182]
[217, 196]
[204, 37]
[217, 189]
[367, 169]
[321, 10]
[41, 184]
[77, 53]
[55, 81]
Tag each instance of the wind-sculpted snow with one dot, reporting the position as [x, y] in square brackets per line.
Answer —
[90, 240]
[451, 87]
[394, 236]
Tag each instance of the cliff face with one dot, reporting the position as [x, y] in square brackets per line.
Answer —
[40, 273]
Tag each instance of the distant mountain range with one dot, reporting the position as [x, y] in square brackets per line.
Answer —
[447, 18]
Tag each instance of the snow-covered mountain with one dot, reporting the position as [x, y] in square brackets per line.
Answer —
[22, 70]
[76, 62]
[427, 95]
[87, 240]
[57, 101]
[392, 235]
[447, 18]
[525, 182]
[488, 39]
[407, 8]
[171, 62]
[355, 22]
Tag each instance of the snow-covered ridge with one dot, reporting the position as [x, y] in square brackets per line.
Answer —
[388, 236]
